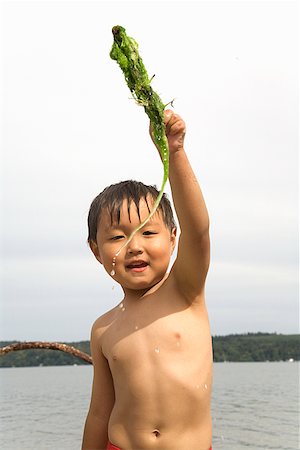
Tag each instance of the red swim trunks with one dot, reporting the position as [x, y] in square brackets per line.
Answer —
[110, 446]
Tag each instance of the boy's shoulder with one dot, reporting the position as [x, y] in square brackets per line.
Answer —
[103, 322]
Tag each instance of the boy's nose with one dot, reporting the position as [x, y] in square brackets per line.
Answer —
[134, 247]
[135, 251]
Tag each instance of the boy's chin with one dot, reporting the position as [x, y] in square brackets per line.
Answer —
[143, 285]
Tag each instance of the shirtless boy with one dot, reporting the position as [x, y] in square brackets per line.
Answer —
[152, 353]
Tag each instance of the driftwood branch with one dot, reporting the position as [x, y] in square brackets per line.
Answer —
[46, 345]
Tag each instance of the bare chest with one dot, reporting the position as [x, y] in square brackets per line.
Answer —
[176, 340]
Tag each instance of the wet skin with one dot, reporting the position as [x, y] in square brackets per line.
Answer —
[154, 358]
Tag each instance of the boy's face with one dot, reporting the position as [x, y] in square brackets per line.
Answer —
[144, 261]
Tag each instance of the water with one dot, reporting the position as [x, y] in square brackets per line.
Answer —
[254, 406]
[43, 407]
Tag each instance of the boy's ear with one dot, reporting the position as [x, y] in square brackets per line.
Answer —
[173, 239]
[94, 247]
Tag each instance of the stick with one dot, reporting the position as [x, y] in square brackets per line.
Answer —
[46, 345]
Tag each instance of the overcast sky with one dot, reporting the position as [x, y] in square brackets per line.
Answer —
[70, 128]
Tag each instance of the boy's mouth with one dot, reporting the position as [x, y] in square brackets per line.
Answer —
[137, 266]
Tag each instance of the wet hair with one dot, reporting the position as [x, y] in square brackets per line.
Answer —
[112, 197]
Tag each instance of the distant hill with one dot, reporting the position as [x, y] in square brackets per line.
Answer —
[256, 347]
[236, 347]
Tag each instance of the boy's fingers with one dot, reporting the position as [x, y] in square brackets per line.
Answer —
[178, 127]
[173, 122]
[168, 113]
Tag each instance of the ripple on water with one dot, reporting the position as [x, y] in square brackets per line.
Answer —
[254, 406]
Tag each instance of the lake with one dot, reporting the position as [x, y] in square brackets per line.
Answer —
[254, 406]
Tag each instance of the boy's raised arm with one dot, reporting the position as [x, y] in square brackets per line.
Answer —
[102, 401]
[191, 266]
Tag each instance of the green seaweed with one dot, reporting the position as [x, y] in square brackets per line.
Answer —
[125, 52]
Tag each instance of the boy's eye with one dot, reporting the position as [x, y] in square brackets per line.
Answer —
[149, 233]
[116, 238]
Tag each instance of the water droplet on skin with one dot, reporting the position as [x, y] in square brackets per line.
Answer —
[123, 309]
[113, 272]
[205, 386]
[136, 327]
[121, 305]
[156, 350]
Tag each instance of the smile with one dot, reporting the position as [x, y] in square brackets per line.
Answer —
[137, 266]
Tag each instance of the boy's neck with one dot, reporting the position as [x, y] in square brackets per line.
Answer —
[131, 295]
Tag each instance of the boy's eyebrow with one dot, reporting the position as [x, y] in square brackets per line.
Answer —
[118, 226]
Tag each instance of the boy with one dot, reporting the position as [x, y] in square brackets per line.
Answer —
[152, 353]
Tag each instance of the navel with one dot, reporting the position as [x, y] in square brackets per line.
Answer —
[156, 433]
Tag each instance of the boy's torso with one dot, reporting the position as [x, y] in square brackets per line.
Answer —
[160, 356]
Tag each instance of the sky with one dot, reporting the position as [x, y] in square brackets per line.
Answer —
[69, 128]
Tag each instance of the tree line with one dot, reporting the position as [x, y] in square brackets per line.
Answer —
[248, 347]
[256, 347]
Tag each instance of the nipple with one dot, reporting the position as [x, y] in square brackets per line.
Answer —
[113, 272]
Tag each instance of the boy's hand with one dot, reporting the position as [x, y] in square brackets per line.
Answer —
[175, 131]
